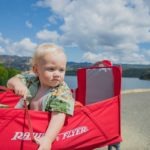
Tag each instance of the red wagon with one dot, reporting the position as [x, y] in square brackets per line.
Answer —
[96, 124]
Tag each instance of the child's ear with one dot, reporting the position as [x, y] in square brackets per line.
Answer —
[34, 68]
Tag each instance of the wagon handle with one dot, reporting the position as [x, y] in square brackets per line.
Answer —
[29, 121]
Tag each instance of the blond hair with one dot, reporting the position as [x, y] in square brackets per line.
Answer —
[44, 49]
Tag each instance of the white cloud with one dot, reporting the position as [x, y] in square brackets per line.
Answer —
[28, 24]
[43, 3]
[2, 51]
[53, 19]
[56, 5]
[3, 43]
[47, 35]
[26, 43]
[3, 40]
[120, 57]
[24, 47]
[104, 29]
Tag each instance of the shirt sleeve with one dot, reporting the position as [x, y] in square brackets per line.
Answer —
[31, 81]
[27, 78]
[61, 100]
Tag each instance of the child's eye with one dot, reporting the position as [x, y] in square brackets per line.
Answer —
[50, 69]
[62, 70]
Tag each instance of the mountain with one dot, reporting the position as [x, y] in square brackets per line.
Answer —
[127, 66]
[20, 63]
[23, 64]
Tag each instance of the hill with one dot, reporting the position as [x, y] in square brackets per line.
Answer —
[22, 63]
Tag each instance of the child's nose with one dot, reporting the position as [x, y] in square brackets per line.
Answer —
[56, 73]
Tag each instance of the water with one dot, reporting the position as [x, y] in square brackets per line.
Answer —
[71, 81]
[135, 83]
[127, 83]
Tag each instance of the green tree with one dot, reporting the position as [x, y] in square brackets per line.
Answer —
[3, 75]
[12, 72]
[6, 73]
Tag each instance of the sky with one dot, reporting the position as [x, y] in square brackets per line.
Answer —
[88, 30]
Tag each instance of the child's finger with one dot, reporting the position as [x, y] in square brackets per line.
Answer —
[37, 141]
[25, 94]
[18, 92]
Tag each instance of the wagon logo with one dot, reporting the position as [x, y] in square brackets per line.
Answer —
[62, 136]
[72, 133]
[26, 135]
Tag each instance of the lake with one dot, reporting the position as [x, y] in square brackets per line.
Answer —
[127, 83]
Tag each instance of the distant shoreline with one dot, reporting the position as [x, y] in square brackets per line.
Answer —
[135, 91]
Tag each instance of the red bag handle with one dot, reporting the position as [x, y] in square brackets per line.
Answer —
[29, 121]
[103, 63]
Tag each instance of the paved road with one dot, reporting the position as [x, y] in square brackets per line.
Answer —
[135, 121]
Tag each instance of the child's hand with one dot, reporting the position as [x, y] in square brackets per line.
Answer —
[21, 90]
[18, 86]
[44, 143]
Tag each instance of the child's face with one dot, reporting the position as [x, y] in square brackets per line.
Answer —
[51, 69]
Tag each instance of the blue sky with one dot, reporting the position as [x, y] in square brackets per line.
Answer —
[118, 30]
